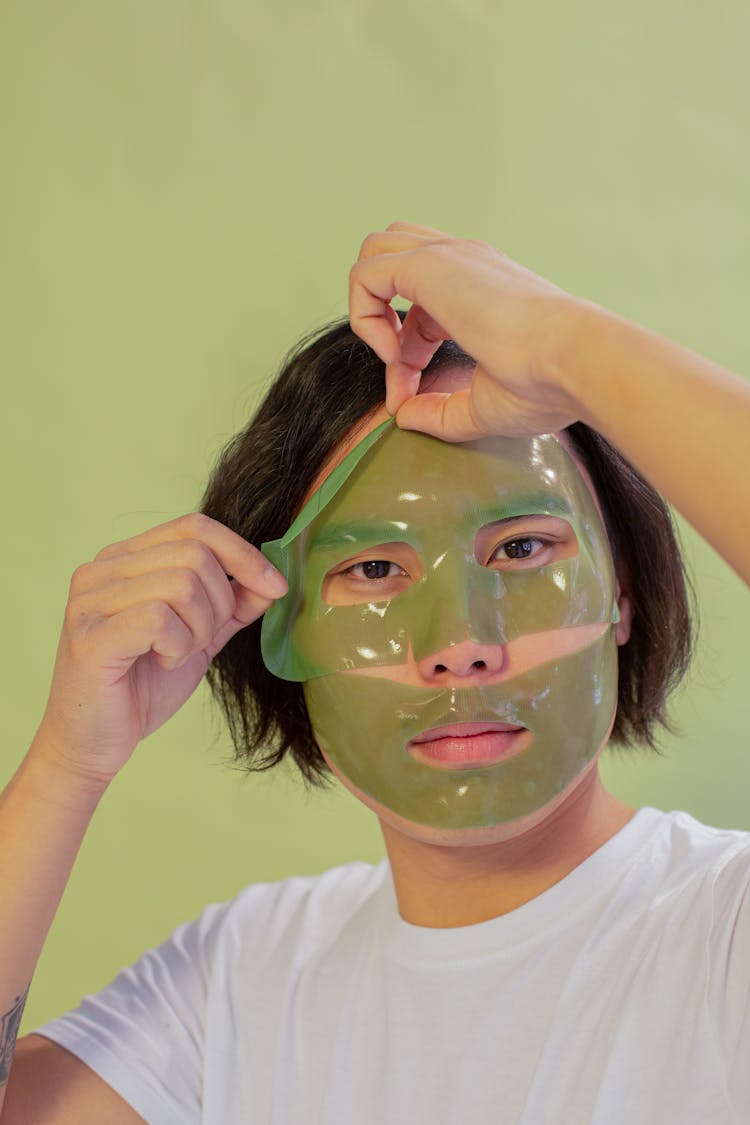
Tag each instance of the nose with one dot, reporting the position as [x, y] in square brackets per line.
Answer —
[466, 660]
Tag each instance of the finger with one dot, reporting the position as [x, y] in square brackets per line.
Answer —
[445, 416]
[401, 382]
[370, 313]
[249, 609]
[155, 626]
[181, 589]
[117, 642]
[234, 554]
[373, 283]
[417, 229]
[421, 336]
[186, 554]
[391, 241]
[197, 588]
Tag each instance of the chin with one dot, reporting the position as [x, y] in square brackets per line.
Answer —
[473, 837]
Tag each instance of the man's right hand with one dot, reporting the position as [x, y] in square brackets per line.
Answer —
[142, 624]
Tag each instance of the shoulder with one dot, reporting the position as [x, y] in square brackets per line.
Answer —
[690, 847]
[147, 1033]
[672, 873]
[682, 852]
[708, 890]
[693, 874]
[308, 910]
[339, 889]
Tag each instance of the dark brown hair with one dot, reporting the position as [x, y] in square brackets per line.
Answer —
[327, 385]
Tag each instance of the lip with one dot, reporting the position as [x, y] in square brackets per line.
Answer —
[469, 745]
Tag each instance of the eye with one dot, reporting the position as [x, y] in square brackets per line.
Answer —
[520, 549]
[525, 543]
[380, 573]
[374, 570]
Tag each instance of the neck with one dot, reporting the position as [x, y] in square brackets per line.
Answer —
[440, 885]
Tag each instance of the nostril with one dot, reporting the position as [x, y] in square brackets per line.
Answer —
[477, 665]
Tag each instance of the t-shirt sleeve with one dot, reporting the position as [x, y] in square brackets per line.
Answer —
[729, 981]
[144, 1033]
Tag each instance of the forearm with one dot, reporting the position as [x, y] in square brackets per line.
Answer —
[683, 421]
[44, 813]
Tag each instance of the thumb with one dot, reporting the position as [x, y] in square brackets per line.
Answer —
[249, 609]
[445, 416]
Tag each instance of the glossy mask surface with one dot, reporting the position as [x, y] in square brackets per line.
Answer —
[420, 547]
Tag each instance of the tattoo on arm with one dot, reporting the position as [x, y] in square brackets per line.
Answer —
[9, 1025]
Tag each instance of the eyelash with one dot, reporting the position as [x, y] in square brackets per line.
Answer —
[371, 562]
[543, 544]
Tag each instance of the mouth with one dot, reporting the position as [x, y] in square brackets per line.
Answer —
[469, 745]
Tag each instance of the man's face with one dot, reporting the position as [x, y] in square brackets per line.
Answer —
[452, 615]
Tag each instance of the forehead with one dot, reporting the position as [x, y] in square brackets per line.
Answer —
[407, 478]
[445, 381]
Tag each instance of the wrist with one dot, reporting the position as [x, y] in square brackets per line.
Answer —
[579, 325]
[58, 778]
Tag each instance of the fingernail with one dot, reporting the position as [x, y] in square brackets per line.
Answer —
[275, 580]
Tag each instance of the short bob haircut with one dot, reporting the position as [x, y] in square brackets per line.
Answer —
[327, 385]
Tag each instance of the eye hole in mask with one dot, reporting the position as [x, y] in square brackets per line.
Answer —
[384, 571]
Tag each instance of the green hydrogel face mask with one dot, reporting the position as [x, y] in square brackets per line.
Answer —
[363, 725]
[443, 506]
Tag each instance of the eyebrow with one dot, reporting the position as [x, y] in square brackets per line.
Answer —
[531, 504]
[357, 534]
[364, 533]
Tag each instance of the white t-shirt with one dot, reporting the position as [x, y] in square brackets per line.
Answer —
[619, 996]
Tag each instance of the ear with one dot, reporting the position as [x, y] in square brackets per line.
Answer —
[622, 629]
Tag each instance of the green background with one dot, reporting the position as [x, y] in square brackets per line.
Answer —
[184, 187]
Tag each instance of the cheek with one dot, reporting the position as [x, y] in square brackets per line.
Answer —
[459, 598]
[363, 725]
